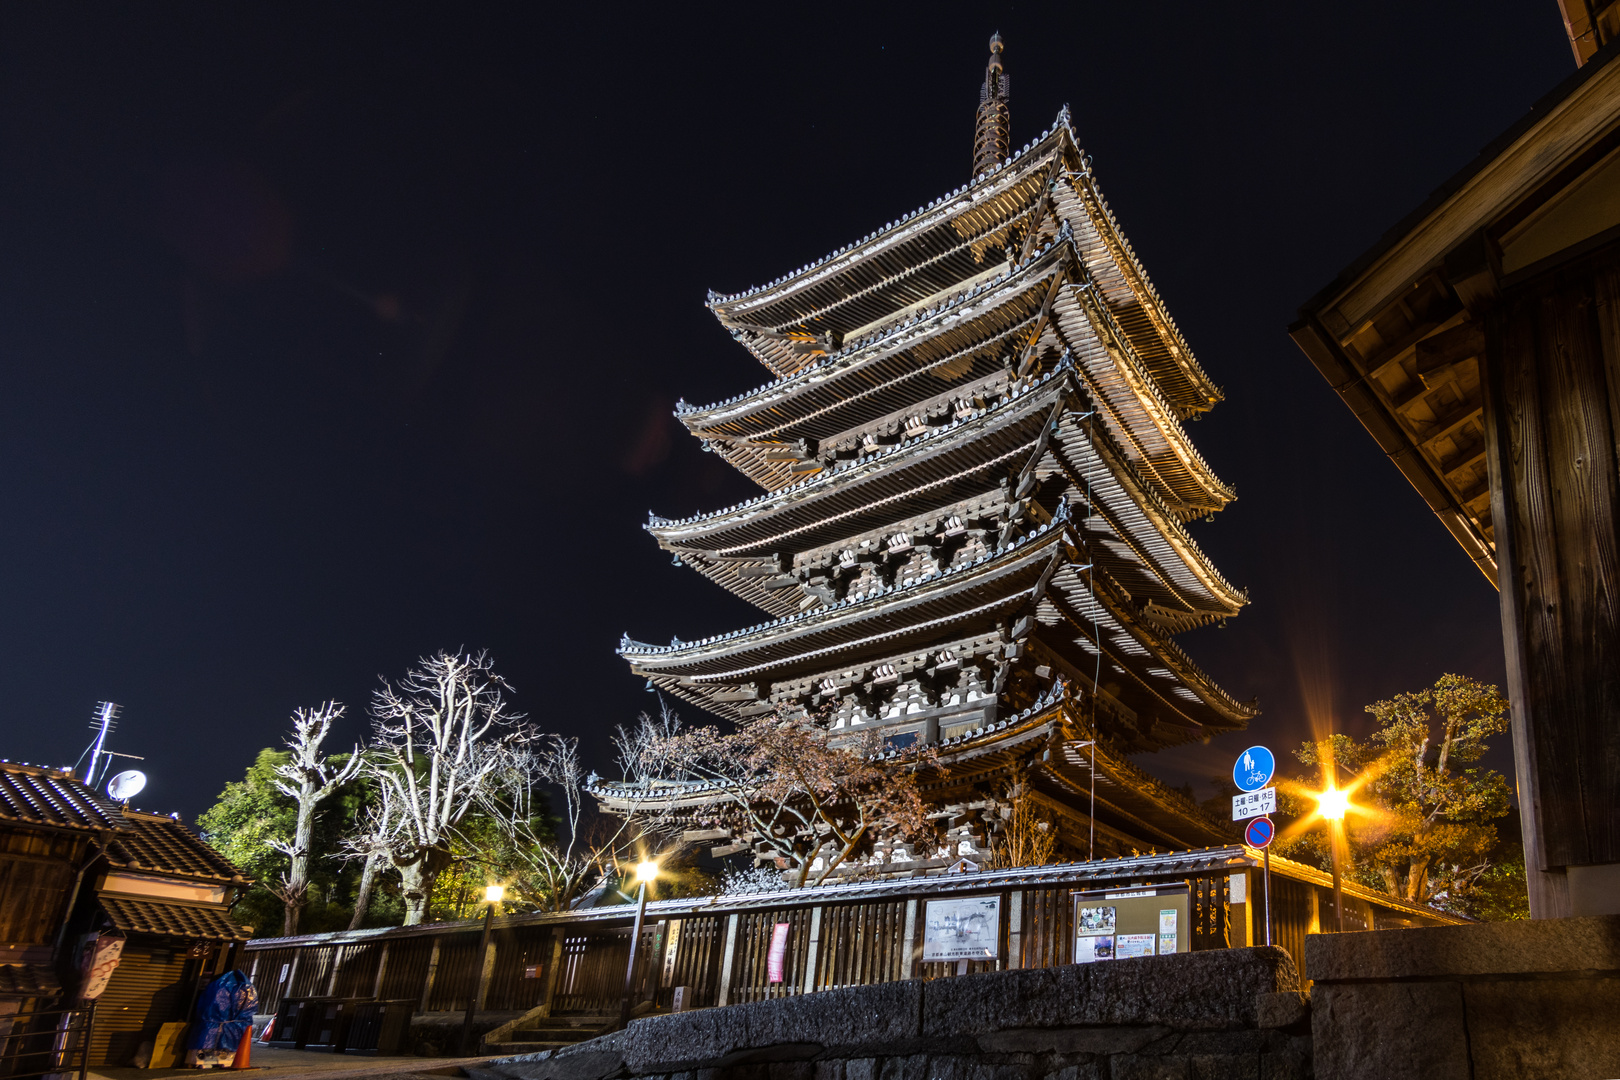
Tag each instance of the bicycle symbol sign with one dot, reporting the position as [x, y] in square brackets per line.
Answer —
[1253, 769]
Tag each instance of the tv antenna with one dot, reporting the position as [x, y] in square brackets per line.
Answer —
[105, 721]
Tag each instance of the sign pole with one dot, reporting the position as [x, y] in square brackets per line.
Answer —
[1268, 894]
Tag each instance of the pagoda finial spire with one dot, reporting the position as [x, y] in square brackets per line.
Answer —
[992, 139]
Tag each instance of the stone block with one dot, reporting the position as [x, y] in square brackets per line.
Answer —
[1283, 1009]
[1544, 1027]
[1141, 1067]
[1113, 1039]
[1214, 989]
[684, 1040]
[1522, 947]
[908, 1067]
[829, 1069]
[1089, 1070]
[584, 1065]
[884, 1014]
[1389, 1031]
[862, 1068]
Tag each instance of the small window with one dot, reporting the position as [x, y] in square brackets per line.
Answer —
[900, 741]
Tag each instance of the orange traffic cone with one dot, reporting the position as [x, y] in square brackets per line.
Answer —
[244, 1050]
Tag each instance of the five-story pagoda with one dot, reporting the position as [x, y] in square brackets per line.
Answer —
[978, 484]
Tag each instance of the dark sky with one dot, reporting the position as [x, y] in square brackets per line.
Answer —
[331, 336]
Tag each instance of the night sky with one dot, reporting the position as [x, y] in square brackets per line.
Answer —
[332, 336]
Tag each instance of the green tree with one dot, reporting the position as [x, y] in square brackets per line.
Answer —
[251, 816]
[1425, 829]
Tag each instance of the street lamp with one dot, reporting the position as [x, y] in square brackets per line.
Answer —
[646, 872]
[1332, 804]
[493, 895]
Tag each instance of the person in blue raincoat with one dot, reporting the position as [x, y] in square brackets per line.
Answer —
[224, 1012]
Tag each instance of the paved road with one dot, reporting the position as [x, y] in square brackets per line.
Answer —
[273, 1063]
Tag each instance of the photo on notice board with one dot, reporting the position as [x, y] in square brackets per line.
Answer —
[962, 929]
[1096, 920]
[1093, 947]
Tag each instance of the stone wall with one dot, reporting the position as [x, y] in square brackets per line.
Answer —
[1487, 1002]
[1218, 1015]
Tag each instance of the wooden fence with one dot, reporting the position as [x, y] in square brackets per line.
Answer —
[720, 948]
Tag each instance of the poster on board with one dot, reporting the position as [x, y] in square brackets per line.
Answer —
[1093, 947]
[967, 929]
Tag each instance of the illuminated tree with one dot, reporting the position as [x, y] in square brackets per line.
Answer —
[443, 737]
[806, 799]
[1427, 832]
[309, 777]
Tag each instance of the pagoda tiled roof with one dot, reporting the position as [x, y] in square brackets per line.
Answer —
[933, 471]
[879, 377]
[913, 258]
[904, 617]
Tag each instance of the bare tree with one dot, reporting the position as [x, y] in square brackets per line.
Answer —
[441, 737]
[805, 799]
[557, 870]
[373, 842]
[308, 779]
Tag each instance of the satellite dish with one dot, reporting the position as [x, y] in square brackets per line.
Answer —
[126, 785]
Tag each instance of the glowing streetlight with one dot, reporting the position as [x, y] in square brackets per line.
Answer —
[493, 896]
[1332, 805]
[646, 874]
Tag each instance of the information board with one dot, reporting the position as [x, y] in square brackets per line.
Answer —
[1116, 924]
[962, 929]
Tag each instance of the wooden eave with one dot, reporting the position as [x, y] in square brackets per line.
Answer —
[1139, 799]
[1176, 699]
[927, 477]
[951, 240]
[959, 343]
[1391, 333]
[952, 348]
[894, 619]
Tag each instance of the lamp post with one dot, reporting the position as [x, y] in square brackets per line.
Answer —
[1332, 805]
[493, 895]
[645, 872]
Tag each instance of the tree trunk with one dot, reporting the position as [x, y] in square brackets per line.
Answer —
[416, 878]
[298, 873]
[362, 899]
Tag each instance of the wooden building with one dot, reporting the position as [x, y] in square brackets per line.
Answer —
[171, 895]
[51, 826]
[978, 482]
[1479, 343]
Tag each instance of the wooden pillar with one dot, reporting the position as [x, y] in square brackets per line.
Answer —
[338, 952]
[723, 997]
[912, 940]
[382, 968]
[1015, 930]
[553, 969]
[485, 971]
[813, 954]
[1552, 408]
[432, 973]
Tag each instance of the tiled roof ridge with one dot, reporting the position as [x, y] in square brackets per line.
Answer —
[1178, 430]
[848, 350]
[1065, 364]
[1059, 521]
[39, 796]
[1136, 266]
[1060, 124]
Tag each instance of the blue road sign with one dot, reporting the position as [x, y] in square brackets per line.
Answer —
[1259, 832]
[1253, 769]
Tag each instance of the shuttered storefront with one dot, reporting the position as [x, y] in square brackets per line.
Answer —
[151, 986]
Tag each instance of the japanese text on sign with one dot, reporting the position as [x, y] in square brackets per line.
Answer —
[1254, 804]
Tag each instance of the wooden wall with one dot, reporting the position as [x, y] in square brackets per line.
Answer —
[1553, 353]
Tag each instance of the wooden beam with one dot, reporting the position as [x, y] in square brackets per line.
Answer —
[1439, 352]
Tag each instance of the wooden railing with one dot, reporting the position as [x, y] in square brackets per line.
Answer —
[719, 948]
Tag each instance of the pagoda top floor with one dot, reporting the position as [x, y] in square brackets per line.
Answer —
[889, 276]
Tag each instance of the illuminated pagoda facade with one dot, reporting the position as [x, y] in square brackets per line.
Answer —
[974, 532]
